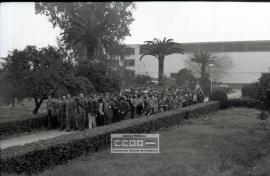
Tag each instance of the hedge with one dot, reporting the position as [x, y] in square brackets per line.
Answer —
[220, 96]
[243, 102]
[250, 90]
[36, 156]
[20, 126]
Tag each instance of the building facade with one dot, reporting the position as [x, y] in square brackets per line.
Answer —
[249, 59]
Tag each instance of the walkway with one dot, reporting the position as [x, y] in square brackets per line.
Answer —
[32, 137]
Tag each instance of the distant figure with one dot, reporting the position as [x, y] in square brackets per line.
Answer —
[49, 112]
[100, 118]
[197, 87]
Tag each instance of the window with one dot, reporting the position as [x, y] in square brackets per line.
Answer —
[130, 51]
[129, 62]
[113, 62]
[173, 75]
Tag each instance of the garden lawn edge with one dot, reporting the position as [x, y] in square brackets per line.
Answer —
[36, 156]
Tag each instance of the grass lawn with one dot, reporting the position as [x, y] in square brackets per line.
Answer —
[231, 142]
[20, 111]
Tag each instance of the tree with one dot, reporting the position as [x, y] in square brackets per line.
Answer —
[103, 77]
[38, 73]
[200, 65]
[160, 49]
[201, 61]
[263, 90]
[184, 76]
[89, 28]
[142, 80]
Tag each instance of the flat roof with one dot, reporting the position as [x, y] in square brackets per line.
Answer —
[226, 46]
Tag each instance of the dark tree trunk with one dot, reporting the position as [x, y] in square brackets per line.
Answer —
[160, 69]
[90, 53]
[37, 105]
[203, 70]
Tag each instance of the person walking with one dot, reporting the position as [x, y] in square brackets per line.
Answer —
[125, 109]
[93, 112]
[79, 116]
[62, 114]
[70, 109]
[108, 111]
[100, 118]
[49, 107]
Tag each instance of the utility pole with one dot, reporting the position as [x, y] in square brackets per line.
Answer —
[211, 77]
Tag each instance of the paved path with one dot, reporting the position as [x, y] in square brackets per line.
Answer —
[32, 137]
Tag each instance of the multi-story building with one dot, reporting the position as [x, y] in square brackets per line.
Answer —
[249, 59]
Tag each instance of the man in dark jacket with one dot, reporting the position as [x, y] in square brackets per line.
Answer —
[62, 113]
[70, 110]
[125, 108]
[116, 110]
[80, 112]
[93, 110]
[108, 110]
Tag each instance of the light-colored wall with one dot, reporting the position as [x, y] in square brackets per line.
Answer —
[246, 66]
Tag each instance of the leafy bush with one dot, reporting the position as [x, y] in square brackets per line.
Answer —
[36, 156]
[184, 75]
[260, 91]
[10, 128]
[264, 91]
[250, 90]
[243, 102]
[220, 96]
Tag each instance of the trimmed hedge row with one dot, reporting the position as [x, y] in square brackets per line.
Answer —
[37, 156]
[243, 102]
[20, 126]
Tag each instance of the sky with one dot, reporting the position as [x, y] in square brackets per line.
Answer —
[182, 21]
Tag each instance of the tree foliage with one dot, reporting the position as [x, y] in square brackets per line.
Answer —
[103, 77]
[200, 63]
[160, 49]
[90, 28]
[38, 73]
[183, 76]
[263, 87]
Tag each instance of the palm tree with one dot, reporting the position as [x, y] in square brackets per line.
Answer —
[204, 59]
[160, 49]
[85, 34]
[92, 28]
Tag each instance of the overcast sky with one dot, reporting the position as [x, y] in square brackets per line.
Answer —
[182, 21]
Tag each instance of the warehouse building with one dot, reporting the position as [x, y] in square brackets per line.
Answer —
[249, 59]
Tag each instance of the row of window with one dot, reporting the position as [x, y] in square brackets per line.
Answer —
[218, 47]
[131, 51]
[129, 62]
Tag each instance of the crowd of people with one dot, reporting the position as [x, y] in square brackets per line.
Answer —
[80, 112]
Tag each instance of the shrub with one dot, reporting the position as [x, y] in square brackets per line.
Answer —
[250, 90]
[220, 96]
[259, 91]
[264, 91]
[36, 156]
[10, 128]
[243, 102]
